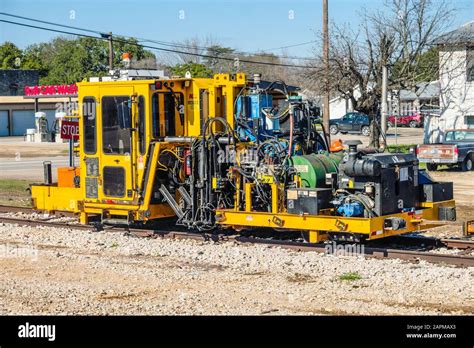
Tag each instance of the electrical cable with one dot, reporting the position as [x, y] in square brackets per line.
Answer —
[158, 48]
[164, 43]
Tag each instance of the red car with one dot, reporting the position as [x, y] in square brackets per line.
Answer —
[413, 120]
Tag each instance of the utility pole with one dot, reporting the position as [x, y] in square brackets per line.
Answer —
[384, 100]
[111, 53]
[326, 70]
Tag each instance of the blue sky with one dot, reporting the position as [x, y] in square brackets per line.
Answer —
[242, 24]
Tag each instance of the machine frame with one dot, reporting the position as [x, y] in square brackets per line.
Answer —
[153, 130]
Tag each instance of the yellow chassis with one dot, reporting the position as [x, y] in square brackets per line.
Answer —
[137, 207]
[53, 198]
[318, 226]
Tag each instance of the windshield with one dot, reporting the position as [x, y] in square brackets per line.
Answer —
[459, 136]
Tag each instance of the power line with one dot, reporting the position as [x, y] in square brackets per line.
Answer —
[295, 45]
[168, 44]
[50, 23]
[156, 48]
[260, 54]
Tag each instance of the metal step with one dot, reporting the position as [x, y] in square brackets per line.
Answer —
[171, 201]
[185, 195]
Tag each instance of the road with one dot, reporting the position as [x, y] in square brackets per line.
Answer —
[400, 136]
[22, 160]
[29, 168]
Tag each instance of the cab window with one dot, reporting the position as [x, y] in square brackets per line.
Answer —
[116, 124]
[141, 125]
[89, 125]
[166, 117]
[114, 181]
[155, 111]
[170, 112]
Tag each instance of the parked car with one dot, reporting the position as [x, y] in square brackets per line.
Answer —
[457, 149]
[352, 122]
[412, 120]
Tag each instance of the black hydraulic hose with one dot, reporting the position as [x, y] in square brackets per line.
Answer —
[285, 87]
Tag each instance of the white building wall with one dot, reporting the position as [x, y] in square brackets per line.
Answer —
[338, 107]
[457, 94]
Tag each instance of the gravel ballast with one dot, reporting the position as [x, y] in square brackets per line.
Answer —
[62, 271]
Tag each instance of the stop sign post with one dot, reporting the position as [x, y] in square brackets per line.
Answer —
[70, 130]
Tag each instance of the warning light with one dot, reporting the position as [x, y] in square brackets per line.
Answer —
[158, 85]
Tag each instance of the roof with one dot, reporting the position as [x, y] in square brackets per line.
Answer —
[462, 35]
[425, 90]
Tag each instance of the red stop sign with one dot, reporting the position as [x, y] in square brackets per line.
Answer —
[69, 130]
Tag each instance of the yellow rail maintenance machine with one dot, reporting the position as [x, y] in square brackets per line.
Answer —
[233, 152]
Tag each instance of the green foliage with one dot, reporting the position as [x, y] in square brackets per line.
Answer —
[350, 276]
[34, 57]
[425, 67]
[196, 70]
[65, 60]
[9, 54]
[68, 64]
[402, 148]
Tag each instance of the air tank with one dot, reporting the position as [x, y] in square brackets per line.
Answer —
[312, 168]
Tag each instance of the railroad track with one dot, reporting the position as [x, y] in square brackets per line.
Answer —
[461, 259]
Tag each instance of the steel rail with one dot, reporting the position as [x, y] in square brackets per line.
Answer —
[378, 253]
[371, 252]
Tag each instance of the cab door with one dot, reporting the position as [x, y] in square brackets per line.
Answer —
[118, 143]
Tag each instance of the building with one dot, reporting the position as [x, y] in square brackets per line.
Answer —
[13, 81]
[456, 76]
[422, 98]
[425, 96]
[17, 113]
[339, 106]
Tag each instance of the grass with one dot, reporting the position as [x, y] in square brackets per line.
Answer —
[14, 192]
[350, 276]
[403, 148]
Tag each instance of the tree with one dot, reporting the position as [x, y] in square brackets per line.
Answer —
[425, 67]
[196, 70]
[399, 35]
[34, 57]
[66, 60]
[220, 65]
[69, 63]
[188, 51]
[10, 56]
